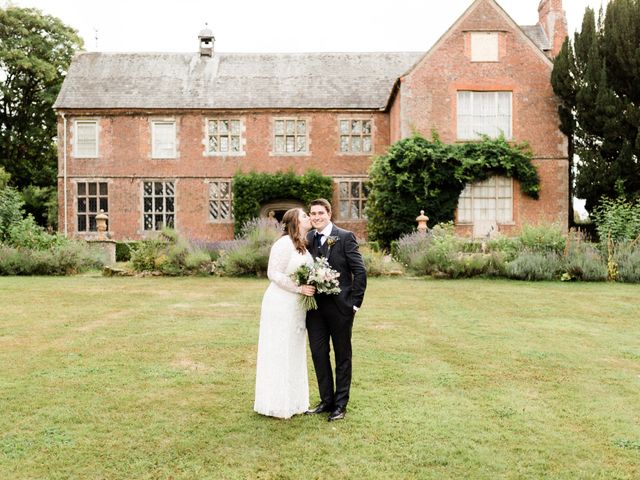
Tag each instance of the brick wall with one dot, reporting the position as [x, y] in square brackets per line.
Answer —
[124, 161]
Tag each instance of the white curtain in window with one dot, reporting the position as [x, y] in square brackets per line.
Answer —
[164, 139]
[484, 113]
[86, 139]
[490, 200]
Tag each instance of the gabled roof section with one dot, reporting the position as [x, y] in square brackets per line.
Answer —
[535, 39]
[232, 80]
[538, 36]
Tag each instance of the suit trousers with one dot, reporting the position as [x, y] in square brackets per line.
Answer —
[324, 325]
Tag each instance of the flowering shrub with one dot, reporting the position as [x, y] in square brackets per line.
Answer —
[169, 254]
[249, 254]
[535, 266]
[67, 258]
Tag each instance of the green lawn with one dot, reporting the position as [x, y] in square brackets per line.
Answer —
[152, 378]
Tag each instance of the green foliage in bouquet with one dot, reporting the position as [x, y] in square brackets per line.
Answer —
[320, 275]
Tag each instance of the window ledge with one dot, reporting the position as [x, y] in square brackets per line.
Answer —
[226, 154]
[297, 154]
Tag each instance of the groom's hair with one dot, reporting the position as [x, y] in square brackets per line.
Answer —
[323, 202]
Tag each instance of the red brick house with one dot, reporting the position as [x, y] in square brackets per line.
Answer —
[155, 139]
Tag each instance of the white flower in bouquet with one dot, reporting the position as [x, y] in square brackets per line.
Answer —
[320, 275]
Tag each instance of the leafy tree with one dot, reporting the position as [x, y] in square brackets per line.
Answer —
[617, 219]
[419, 174]
[4, 178]
[35, 53]
[596, 78]
[11, 206]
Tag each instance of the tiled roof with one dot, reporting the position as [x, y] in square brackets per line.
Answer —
[240, 80]
[537, 34]
[233, 80]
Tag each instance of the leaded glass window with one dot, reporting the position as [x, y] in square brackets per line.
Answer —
[355, 136]
[220, 200]
[290, 136]
[490, 200]
[158, 199]
[352, 197]
[224, 136]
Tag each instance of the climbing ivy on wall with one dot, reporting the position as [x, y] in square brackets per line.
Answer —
[252, 190]
[417, 174]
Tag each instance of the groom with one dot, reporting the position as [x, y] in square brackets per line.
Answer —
[334, 317]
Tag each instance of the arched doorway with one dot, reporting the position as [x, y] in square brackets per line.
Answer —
[279, 207]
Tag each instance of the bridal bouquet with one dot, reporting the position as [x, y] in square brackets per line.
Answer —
[320, 275]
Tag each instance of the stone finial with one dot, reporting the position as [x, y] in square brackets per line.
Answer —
[422, 220]
[101, 225]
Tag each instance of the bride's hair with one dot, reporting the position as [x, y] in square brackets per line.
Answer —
[291, 225]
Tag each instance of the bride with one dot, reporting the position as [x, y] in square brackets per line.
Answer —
[282, 386]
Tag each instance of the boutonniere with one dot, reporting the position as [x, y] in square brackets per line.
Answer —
[331, 240]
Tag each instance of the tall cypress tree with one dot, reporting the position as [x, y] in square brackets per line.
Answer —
[596, 77]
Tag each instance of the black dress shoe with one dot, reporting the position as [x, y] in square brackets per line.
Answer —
[337, 414]
[320, 408]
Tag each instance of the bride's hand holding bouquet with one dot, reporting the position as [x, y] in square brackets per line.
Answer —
[319, 276]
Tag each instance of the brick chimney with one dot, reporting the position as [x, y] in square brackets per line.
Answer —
[207, 40]
[553, 21]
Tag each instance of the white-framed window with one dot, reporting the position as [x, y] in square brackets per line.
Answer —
[91, 198]
[224, 136]
[220, 200]
[484, 113]
[158, 200]
[352, 197]
[355, 135]
[290, 136]
[163, 138]
[488, 201]
[86, 139]
[484, 47]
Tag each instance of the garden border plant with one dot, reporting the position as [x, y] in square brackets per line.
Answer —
[252, 190]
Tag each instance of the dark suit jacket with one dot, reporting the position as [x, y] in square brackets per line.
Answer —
[343, 256]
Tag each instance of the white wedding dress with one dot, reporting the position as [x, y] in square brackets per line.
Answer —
[282, 385]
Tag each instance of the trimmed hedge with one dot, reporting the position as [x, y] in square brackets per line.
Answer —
[252, 190]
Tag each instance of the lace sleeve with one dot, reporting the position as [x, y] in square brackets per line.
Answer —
[278, 261]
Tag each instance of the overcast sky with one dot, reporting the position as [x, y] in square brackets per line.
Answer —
[276, 25]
